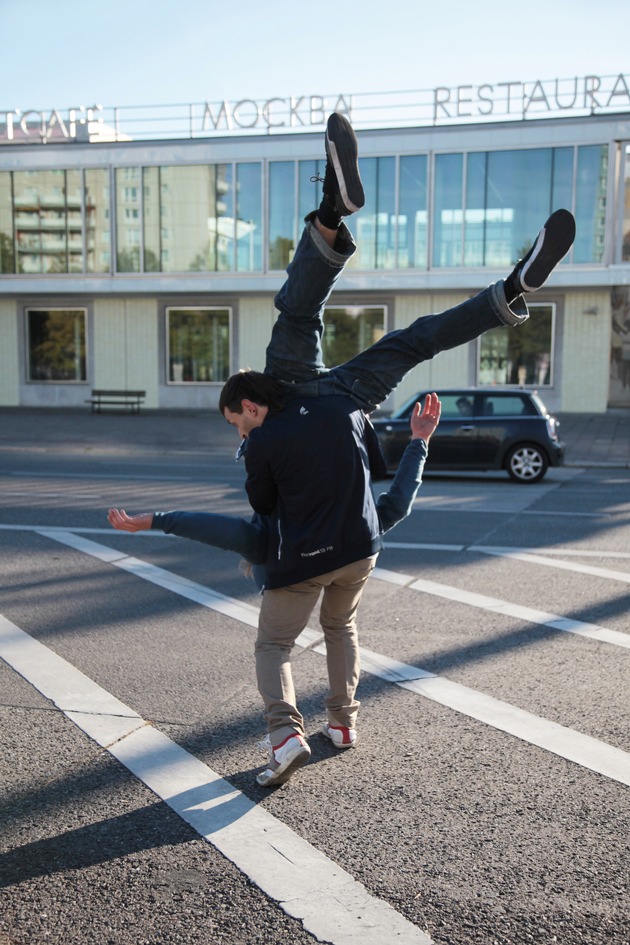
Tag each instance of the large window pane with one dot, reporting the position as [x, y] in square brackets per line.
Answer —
[523, 356]
[221, 221]
[376, 234]
[198, 345]
[152, 242]
[309, 186]
[128, 219]
[475, 217]
[412, 212]
[562, 178]
[350, 330]
[448, 201]
[56, 344]
[197, 218]
[508, 195]
[282, 219]
[249, 226]
[590, 204]
[7, 253]
[74, 220]
[48, 227]
[98, 236]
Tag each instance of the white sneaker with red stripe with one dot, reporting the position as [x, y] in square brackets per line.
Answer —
[284, 760]
[340, 736]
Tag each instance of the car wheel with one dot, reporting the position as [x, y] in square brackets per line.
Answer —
[526, 463]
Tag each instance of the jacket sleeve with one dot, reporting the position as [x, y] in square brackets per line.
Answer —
[395, 505]
[248, 539]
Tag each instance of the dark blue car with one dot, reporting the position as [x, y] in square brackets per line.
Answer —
[481, 429]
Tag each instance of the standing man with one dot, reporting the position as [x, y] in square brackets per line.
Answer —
[309, 458]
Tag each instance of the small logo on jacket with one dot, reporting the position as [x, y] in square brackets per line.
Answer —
[303, 411]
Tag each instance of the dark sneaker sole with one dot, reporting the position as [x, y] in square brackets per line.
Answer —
[282, 774]
[343, 153]
[552, 244]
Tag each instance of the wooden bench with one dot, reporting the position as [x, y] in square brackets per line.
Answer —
[116, 398]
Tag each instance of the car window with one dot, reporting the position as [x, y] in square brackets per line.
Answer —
[457, 406]
[507, 405]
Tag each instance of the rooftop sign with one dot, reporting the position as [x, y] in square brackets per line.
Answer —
[501, 101]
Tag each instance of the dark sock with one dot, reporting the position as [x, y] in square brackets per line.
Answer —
[512, 287]
[328, 215]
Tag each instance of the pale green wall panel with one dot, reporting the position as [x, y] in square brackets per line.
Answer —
[9, 369]
[256, 319]
[126, 352]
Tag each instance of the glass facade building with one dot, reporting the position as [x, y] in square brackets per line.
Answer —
[186, 244]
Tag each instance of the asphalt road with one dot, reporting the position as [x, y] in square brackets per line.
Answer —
[486, 801]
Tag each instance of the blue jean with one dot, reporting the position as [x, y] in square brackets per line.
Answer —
[294, 354]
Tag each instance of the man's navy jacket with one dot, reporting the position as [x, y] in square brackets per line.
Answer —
[308, 469]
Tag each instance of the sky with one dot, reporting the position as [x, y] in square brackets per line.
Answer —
[63, 53]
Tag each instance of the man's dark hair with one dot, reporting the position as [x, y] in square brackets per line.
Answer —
[261, 389]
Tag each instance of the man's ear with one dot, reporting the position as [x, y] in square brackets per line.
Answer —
[248, 406]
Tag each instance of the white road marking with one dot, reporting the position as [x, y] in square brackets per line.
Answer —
[564, 565]
[495, 604]
[565, 742]
[306, 884]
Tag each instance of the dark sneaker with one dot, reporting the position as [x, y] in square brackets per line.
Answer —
[340, 736]
[284, 760]
[342, 182]
[552, 244]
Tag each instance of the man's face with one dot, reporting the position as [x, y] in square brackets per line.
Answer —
[253, 415]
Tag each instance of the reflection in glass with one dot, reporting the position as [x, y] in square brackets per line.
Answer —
[151, 219]
[350, 330]
[412, 212]
[448, 210]
[48, 221]
[196, 218]
[376, 236]
[128, 221]
[523, 357]
[7, 249]
[198, 342]
[97, 221]
[309, 186]
[282, 218]
[56, 344]
[249, 227]
[590, 204]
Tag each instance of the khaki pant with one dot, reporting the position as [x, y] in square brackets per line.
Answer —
[283, 615]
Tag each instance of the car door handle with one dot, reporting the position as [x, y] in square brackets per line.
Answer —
[467, 428]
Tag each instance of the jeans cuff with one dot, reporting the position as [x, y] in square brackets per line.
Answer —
[512, 313]
[345, 244]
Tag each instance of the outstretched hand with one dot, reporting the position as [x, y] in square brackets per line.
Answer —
[119, 519]
[425, 419]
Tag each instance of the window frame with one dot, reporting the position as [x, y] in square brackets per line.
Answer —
[551, 383]
[167, 342]
[27, 343]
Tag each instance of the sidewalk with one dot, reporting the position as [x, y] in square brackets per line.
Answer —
[591, 439]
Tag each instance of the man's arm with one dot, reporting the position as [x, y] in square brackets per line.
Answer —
[395, 505]
[248, 539]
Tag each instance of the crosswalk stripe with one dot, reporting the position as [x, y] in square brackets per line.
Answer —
[329, 902]
[567, 743]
